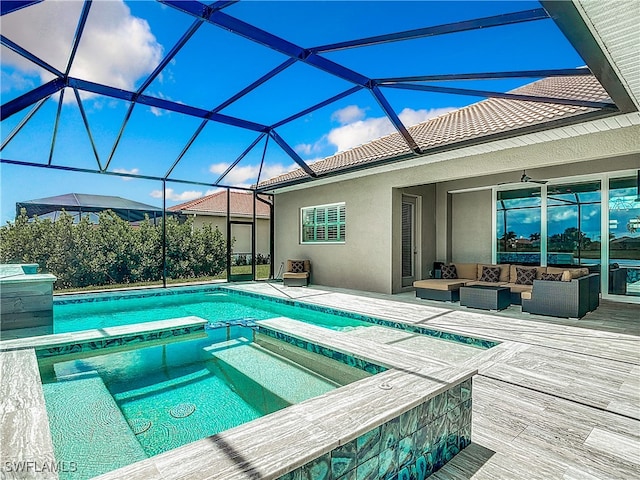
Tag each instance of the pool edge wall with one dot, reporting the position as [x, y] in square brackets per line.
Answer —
[26, 297]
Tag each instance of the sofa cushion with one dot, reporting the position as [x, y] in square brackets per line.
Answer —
[551, 277]
[525, 276]
[518, 288]
[513, 272]
[526, 295]
[449, 271]
[439, 284]
[572, 272]
[467, 270]
[488, 284]
[504, 271]
[490, 274]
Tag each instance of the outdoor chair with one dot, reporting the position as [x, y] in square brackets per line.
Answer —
[297, 273]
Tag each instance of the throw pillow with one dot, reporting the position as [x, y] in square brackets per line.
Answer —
[490, 274]
[525, 276]
[449, 271]
[551, 277]
[297, 266]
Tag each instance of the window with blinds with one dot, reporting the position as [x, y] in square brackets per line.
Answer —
[323, 223]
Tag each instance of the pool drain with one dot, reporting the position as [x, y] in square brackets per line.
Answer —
[182, 410]
[139, 425]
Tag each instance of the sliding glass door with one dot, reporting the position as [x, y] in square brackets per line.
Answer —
[592, 221]
[573, 224]
[624, 236]
[518, 223]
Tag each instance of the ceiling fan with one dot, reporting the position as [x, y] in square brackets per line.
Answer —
[527, 179]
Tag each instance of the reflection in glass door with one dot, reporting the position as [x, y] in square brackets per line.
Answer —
[624, 236]
[573, 224]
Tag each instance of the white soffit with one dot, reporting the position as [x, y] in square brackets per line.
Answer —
[593, 126]
[616, 27]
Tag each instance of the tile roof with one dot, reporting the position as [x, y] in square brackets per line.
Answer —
[485, 118]
[216, 203]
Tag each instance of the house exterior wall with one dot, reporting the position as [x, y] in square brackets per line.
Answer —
[364, 259]
[243, 242]
[370, 259]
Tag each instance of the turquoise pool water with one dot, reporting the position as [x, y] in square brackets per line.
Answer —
[212, 305]
[107, 411]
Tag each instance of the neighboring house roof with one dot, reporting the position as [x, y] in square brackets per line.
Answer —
[494, 117]
[129, 210]
[216, 204]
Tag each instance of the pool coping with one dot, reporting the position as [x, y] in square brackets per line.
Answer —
[97, 338]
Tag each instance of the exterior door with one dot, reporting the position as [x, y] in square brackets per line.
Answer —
[409, 240]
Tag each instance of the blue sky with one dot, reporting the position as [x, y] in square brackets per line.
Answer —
[124, 41]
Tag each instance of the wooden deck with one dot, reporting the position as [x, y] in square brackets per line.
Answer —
[559, 399]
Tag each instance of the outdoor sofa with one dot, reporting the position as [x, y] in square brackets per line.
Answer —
[575, 291]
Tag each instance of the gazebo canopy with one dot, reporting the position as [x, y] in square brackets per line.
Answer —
[86, 203]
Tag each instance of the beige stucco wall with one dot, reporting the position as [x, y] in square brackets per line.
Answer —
[364, 259]
[470, 237]
[370, 259]
[243, 241]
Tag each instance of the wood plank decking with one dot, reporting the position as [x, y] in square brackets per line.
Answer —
[558, 399]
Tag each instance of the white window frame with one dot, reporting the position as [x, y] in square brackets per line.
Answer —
[341, 205]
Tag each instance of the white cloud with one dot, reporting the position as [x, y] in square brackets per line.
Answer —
[349, 114]
[15, 80]
[246, 176]
[359, 132]
[177, 197]
[304, 148]
[562, 214]
[116, 49]
[133, 171]
[362, 130]
[412, 117]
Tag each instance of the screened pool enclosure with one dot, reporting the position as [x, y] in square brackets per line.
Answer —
[166, 102]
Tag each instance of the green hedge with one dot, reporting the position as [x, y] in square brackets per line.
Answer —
[112, 251]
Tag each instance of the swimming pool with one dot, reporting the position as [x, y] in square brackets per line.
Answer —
[219, 305]
[212, 304]
[107, 410]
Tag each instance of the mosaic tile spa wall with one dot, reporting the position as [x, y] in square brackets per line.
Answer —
[409, 447]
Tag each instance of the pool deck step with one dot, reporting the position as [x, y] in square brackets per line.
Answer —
[289, 381]
[88, 427]
[369, 350]
[86, 340]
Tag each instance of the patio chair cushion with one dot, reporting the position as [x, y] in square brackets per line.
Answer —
[490, 274]
[518, 288]
[551, 277]
[449, 271]
[526, 295]
[525, 276]
[513, 275]
[467, 270]
[569, 274]
[295, 275]
[297, 266]
[503, 271]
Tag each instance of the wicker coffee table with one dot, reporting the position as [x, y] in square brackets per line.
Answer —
[486, 297]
